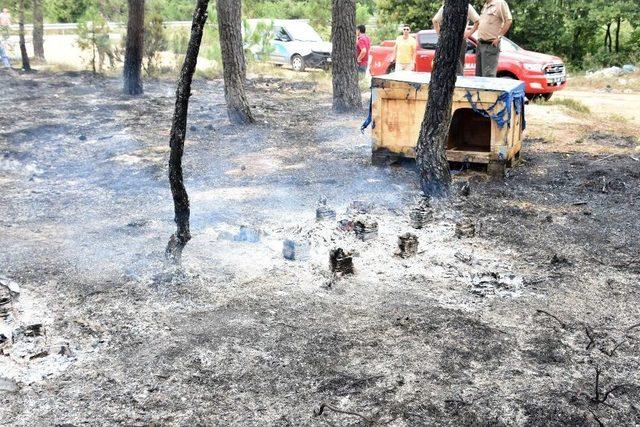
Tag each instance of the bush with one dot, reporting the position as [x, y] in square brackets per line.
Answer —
[93, 35]
[155, 40]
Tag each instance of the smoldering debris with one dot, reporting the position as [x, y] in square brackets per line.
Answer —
[245, 234]
[496, 284]
[324, 212]
[341, 262]
[421, 213]
[559, 260]
[365, 228]
[359, 207]
[407, 245]
[295, 250]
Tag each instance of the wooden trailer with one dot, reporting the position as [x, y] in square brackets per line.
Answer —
[486, 126]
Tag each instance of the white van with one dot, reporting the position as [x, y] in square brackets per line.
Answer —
[295, 42]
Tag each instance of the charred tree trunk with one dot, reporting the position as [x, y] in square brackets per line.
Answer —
[618, 23]
[346, 92]
[233, 61]
[132, 74]
[38, 30]
[26, 66]
[182, 235]
[435, 176]
[607, 38]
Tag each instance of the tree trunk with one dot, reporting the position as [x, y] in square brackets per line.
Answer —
[182, 235]
[26, 66]
[435, 177]
[346, 92]
[607, 38]
[233, 61]
[618, 22]
[38, 30]
[135, 48]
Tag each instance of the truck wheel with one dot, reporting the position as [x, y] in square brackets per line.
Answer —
[391, 68]
[297, 63]
[547, 96]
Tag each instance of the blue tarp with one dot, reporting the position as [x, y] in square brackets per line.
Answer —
[512, 98]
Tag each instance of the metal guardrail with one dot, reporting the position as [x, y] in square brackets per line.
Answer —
[73, 27]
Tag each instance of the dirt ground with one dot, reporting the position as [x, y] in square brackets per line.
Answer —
[533, 320]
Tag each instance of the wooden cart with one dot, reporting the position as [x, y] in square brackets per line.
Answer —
[486, 126]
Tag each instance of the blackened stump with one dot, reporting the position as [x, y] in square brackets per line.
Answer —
[340, 262]
[132, 74]
[182, 235]
[407, 245]
[365, 229]
[435, 176]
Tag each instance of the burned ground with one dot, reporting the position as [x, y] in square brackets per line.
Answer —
[508, 323]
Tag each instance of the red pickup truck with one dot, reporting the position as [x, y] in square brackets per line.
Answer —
[543, 74]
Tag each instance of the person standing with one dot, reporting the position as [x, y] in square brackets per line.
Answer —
[5, 23]
[495, 21]
[3, 56]
[363, 45]
[472, 16]
[405, 50]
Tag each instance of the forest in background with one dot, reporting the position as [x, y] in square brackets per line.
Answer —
[586, 33]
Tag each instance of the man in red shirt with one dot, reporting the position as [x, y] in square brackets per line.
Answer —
[363, 44]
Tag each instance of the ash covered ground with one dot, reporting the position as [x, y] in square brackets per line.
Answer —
[520, 307]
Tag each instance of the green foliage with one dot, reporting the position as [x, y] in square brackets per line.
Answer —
[585, 33]
[417, 13]
[65, 10]
[179, 41]
[93, 35]
[573, 29]
[211, 39]
[155, 39]
[74, 10]
[257, 40]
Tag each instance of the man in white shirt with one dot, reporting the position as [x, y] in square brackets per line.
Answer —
[472, 16]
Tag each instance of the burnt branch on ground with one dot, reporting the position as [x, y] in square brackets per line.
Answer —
[320, 411]
[564, 325]
[592, 340]
[600, 398]
[182, 235]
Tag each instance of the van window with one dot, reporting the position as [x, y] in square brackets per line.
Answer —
[281, 34]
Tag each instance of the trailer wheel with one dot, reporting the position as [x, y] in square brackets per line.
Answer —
[297, 63]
